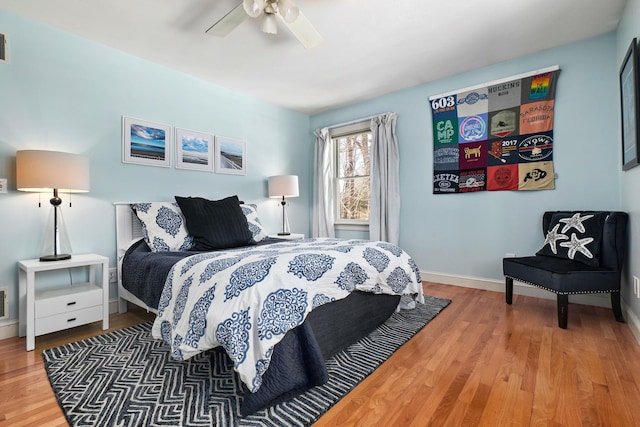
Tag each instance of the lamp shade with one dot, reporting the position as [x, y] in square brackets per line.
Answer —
[269, 24]
[283, 186]
[41, 170]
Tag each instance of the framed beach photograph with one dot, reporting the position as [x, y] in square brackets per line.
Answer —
[630, 107]
[146, 143]
[231, 156]
[194, 150]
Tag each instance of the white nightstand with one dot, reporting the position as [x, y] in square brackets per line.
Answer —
[292, 236]
[55, 309]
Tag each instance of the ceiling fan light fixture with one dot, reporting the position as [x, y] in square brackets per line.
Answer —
[293, 18]
[269, 24]
[254, 8]
[288, 11]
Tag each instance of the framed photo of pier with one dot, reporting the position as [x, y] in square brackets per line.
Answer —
[146, 143]
[230, 156]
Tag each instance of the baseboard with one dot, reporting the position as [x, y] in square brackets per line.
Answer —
[9, 329]
[113, 306]
[632, 321]
[519, 288]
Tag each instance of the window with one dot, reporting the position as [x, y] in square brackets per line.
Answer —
[352, 180]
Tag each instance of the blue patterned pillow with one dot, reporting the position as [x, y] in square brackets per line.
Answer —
[163, 226]
[251, 212]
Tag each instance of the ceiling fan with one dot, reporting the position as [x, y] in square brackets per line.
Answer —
[286, 10]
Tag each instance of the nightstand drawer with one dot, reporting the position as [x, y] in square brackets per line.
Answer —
[65, 300]
[44, 325]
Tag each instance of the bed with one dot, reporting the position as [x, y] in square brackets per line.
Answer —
[275, 358]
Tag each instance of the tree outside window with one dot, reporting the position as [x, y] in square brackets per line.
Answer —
[353, 180]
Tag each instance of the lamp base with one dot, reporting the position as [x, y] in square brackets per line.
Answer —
[58, 257]
[284, 234]
[56, 246]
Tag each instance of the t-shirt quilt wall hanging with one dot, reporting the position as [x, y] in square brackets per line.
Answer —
[496, 136]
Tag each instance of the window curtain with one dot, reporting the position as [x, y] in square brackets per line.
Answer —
[384, 207]
[322, 224]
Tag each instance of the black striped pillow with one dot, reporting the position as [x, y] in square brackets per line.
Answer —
[215, 224]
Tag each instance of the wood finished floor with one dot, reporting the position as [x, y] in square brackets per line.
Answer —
[479, 363]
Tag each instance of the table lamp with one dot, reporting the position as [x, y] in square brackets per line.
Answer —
[44, 171]
[283, 186]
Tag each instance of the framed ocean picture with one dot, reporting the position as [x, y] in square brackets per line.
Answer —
[630, 107]
[194, 150]
[145, 142]
[230, 156]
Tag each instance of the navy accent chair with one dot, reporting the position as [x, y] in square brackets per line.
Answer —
[565, 277]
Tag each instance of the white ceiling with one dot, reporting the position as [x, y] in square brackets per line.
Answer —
[371, 47]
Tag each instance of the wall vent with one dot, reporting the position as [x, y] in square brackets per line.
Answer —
[4, 303]
[4, 54]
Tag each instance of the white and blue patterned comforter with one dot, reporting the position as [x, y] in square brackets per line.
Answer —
[247, 299]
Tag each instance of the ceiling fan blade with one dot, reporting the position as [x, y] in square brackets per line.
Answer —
[228, 22]
[304, 31]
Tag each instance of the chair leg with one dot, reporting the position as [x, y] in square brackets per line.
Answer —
[615, 305]
[563, 309]
[509, 290]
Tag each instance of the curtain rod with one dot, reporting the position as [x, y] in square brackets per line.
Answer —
[356, 120]
[495, 82]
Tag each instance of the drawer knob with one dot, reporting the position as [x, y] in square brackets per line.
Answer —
[71, 303]
[73, 319]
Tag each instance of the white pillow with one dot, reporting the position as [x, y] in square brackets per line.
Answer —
[251, 212]
[163, 226]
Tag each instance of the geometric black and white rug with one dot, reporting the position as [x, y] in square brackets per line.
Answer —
[127, 378]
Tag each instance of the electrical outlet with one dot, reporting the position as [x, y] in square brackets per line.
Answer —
[3, 185]
[113, 275]
[636, 286]
[509, 255]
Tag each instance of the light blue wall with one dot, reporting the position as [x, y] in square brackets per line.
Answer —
[468, 234]
[61, 92]
[630, 180]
